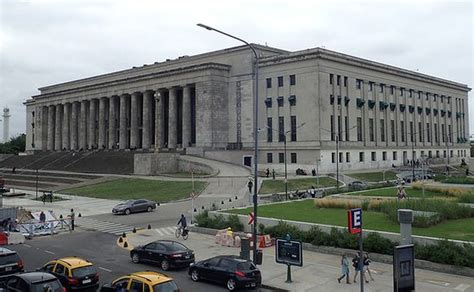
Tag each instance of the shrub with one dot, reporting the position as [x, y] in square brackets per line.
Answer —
[447, 252]
[374, 242]
[337, 203]
[219, 222]
[283, 228]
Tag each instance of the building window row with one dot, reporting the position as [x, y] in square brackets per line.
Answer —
[280, 101]
[281, 157]
[280, 81]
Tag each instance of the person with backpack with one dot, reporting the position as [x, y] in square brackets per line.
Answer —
[358, 268]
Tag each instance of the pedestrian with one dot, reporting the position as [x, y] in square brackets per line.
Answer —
[367, 262]
[273, 173]
[344, 269]
[401, 194]
[358, 268]
[42, 217]
[250, 186]
[312, 192]
[43, 198]
[73, 217]
[313, 172]
[50, 195]
[267, 172]
[467, 171]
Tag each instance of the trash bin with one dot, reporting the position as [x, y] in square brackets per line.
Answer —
[259, 257]
[245, 248]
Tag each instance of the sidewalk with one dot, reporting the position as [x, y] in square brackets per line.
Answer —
[319, 271]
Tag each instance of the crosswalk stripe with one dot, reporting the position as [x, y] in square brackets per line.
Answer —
[104, 226]
[159, 232]
[171, 229]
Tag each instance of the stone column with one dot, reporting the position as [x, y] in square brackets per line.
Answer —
[92, 123]
[66, 125]
[134, 120]
[58, 128]
[74, 114]
[83, 125]
[123, 121]
[186, 116]
[172, 118]
[50, 145]
[147, 98]
[112, 122]
[102, 123]
[159, 120]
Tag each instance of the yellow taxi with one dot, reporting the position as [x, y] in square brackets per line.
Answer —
[74, 273]
[146, 281]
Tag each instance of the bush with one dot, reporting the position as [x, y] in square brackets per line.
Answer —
[446, 252]
[219, 222]
[376, 243]
[283, 228]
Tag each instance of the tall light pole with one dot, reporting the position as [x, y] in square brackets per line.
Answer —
[255, 132]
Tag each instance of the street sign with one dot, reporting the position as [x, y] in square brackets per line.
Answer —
[354, 220]
[289, 252]
[251, 218]
[404, 268]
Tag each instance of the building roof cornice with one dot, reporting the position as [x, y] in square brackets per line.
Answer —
[320, 53]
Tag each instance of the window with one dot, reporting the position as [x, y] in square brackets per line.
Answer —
[269, 130]
[281, 157]
[392, 89]
[136, 286]
[394, 155]
[382, 130]
[373, 156]
[293, 157]
[444, 154]
[269, 157]
[348, 157]
[420, 131]
[371, 130]
[384, 155]
[392, 130]
[269, 83]
[281, 129]
[331, 77]
[339, 128]
[412, 133]
[450, 134]
[443, 133]
[280, 81]
[333, 157]
[428, 132]
[436, 133]
[340, 157]
[402, 130]
[430, 154]
[338, 80]
[359, 84]
[346, 127]
[59, 269]
[333, 134]
[292, 100]
[359, 129]
[280, 101]
[361, 156]
[371, 86]
[293, 128]
[292, 79]
[345, 81]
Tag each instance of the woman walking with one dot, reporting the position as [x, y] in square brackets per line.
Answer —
[344, 269]
[356, 261]
[366, 266]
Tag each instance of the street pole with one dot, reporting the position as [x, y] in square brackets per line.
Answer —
[317, 173]
[255, 132]
[36, 185]
[337, 162]
[361, 261]
[193, 195]
[412, 161]
[286, 171]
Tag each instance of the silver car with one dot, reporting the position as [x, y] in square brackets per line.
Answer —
[133, 206]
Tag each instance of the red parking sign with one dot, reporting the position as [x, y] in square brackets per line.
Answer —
[354, 220]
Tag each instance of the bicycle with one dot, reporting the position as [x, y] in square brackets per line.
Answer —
[181, 232]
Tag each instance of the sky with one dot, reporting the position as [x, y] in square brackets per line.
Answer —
[44, 42]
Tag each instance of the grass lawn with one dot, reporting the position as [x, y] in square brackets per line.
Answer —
[305, 211]
[278, 185]
[133, 188]
[373, 176]
[392, 192]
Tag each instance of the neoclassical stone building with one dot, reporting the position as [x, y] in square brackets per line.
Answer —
[203, 105]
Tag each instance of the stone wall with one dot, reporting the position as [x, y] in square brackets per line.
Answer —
[155, 163]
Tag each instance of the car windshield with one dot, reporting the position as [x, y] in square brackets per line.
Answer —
[83, 271]
[169, 286]
[9, 259]
[127, 202]
[175, 246]
[50, 286]
[246, 266]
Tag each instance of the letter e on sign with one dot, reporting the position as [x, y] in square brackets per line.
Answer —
[354, 218]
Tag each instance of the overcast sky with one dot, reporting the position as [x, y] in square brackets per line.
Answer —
[43, 42]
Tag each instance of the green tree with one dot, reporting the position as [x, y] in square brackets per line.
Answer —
[14, 146]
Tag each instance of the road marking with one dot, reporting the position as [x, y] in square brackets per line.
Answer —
[171, 229]
[107, 270]
[440, 283]
[462, 287]
[50, 252]
[159, 232]
[27, 245]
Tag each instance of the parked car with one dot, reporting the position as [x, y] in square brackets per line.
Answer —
[133, 206]
[34, 282]
[358, 185]
[142, 281]
[10, 264]
[74, 273]
[231, 271]
[166, 253]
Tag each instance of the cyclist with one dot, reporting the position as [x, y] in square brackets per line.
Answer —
[183, 223]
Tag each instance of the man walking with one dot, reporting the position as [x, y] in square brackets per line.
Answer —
[73, 217]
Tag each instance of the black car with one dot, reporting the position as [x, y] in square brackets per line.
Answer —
[166, 253]
[133, 206]
[10, 264]
[231, 271]
[34, 282]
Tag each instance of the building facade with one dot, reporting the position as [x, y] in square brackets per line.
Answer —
[375, 115]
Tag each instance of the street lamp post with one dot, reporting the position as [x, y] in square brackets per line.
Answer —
[255, 132]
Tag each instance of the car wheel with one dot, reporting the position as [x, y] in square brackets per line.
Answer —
[127, 212]
[195, 275]
[135, 258]
[231, 284]
[165, 265]
[149, 209]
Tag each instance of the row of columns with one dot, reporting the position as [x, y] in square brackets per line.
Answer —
[114, 122]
